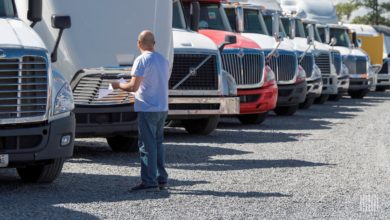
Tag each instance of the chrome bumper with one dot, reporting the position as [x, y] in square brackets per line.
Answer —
[314, 88]
[383, 80]
[204, 106]
[343, 84]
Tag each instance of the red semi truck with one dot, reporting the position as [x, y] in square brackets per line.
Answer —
[244, 60]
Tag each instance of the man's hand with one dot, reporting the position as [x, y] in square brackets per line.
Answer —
[116, 85]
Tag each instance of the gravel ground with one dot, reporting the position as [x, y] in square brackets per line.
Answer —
[329, 162]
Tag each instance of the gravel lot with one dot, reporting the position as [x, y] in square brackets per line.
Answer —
[329, 162]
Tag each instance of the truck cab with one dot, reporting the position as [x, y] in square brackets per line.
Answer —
[255, 22]
[304, 45]
[200, 91]
[244, 60]
[36, 103]
[357, 61]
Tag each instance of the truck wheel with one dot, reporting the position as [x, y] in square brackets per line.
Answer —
[321, 100]
[253, 119]
[380, 89]
[335, 98]
[41, 173]
[123, 144]
[286, 110]
[359, 94]
[201, 126]
[307, 104]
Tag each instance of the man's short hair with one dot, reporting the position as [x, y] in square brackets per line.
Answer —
[146, 38]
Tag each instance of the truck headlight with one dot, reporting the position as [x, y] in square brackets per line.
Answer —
[64, 100]
[231, 83]
[301, 75]
[344, 70]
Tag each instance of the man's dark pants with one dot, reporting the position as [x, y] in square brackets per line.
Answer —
[151, 148]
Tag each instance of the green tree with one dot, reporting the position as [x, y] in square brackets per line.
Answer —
[345, 10]
[375, 14]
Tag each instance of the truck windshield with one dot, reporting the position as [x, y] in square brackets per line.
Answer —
[341, 36]
[212, 16]
[178, 20]
[316, 33]
[299, 28]
[286, 25]
[254, 22]
[321, 31]
[268, 23]
[7, 8]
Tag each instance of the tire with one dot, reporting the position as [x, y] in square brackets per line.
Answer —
[321, 100]
[307, 104]
[380, 89]
[201, 126]
[359, 94]
[286, 110]
[41, 173]
[123, 144]
[253, 119]
[335, 98]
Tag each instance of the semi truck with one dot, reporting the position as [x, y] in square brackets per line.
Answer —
[323, 14]
[244, 60]
[305, 47]
[101, 49]
[200, 90]
[36, 102]
[247, 19]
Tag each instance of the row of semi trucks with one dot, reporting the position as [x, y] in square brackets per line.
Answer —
[228, 58]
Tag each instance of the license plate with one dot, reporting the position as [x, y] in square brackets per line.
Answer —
[4, 160]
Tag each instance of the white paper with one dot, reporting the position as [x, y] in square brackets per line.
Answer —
[105, 92]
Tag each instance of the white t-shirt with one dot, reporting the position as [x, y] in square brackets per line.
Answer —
[152, 95]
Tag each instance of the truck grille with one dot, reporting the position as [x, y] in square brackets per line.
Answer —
[206, 77]
[86, 92]
[356, 65]
[284, 66]
[323, 62]
[307, 64]
[23, 87]
[336, 57]
[246, 67]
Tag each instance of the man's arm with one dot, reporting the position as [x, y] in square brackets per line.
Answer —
[131, 86]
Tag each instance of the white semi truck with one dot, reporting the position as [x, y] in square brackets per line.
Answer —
[36, 103]
[100, 49]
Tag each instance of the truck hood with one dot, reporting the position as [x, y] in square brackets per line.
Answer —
[16, 33]
[322, 46]
[268, 43]
[345, 51]
[189, 40]
[300, 44]
[219, 37]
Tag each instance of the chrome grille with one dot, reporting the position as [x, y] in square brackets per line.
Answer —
[356, 65]
[23, 87]
[206, 77]
[284, 66]
[246, 68]
[307, 63]
[323, 62]
[86, 92]
[336, 57]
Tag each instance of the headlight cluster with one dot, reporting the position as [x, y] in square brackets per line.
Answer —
[316, 72]
[64, 100]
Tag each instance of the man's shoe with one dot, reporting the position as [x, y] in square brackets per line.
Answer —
[142, 188]
[162, 186]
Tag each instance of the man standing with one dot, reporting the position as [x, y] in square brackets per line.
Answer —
[150, 76]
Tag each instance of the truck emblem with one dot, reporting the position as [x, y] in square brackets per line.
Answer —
[2, 54]
[241, 53]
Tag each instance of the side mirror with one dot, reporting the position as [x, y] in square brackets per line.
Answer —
[275, 24]
[34, 13]
[354, 39]
[333, 41]
[195, 15]
[310, 41]
[59, 22]
[327, 35]
[292, 28]
[279, 36]
[240, 19]
[359, 43]
[229, 39]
